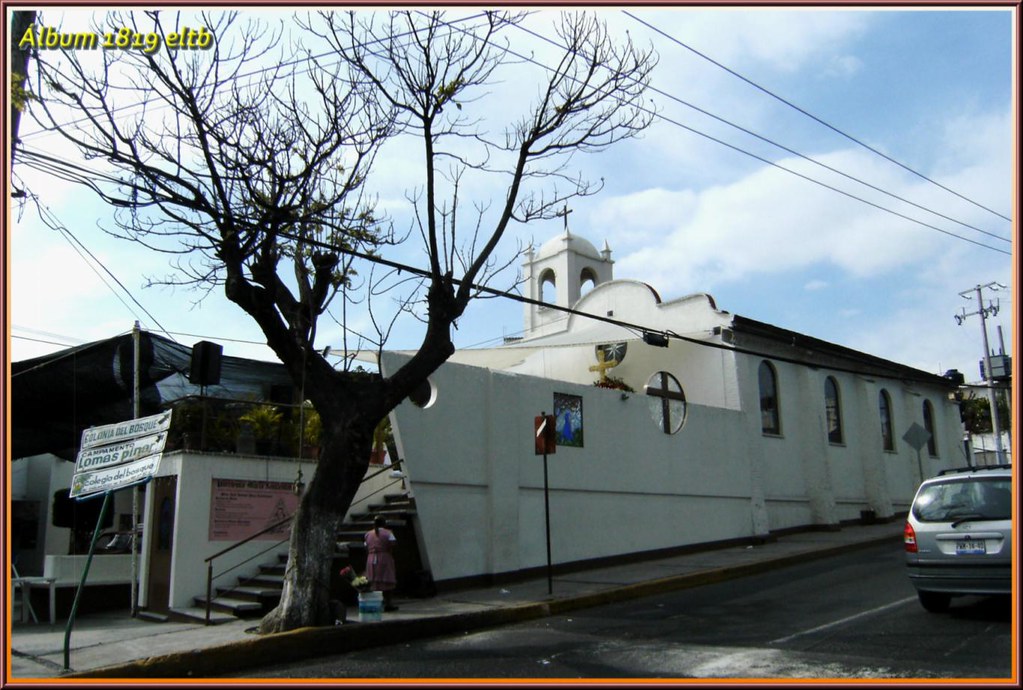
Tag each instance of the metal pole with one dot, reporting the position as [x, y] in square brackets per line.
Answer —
[547, 517]
[992, 401]
[136, 405]
[81, 585]
[209, 589]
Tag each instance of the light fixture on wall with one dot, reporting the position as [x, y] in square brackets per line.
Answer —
[655, 339]
[625, 396]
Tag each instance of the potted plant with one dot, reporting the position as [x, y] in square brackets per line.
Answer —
[381, 441]
[265, 421]
[312, 428]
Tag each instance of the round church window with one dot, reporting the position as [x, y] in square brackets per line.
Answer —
[667, 402]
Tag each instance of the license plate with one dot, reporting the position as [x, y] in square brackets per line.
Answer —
[971, 548]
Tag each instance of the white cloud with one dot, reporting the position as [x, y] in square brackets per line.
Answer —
[815, 285]
[771, 222]
[843, 66]
[780, 40]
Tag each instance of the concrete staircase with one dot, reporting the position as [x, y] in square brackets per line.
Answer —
[397, 509]
[254, 595]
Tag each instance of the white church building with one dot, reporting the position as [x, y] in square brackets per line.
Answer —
[709, 428]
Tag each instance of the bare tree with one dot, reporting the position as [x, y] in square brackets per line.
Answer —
[247, 177]
[18, 95]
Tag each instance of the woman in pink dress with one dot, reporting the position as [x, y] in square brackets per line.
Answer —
[380, 569]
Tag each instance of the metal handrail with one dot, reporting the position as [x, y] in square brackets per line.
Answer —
[209, 560]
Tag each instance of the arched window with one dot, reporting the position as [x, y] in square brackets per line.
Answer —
[548, 287]
[932, 442]
[587, 280]
[832, 410]
[770, 419]
[885, 409]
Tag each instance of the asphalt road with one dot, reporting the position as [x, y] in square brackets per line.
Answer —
[855, 616]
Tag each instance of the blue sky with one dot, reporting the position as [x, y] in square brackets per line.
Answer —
[931, 89]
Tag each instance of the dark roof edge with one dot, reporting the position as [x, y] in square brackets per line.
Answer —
[884, 367]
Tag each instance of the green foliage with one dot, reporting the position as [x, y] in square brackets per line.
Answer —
[614, 383]
[447, 92]
[20, 96]
[265, 421]
[382, 435]
[975, 412]
[199, 424]
[313, 426]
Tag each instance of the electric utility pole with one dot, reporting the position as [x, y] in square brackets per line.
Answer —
[983, 311]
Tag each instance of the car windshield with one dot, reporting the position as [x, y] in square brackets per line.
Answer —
[988, 498]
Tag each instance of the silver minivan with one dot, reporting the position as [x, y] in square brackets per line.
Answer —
[958, 535]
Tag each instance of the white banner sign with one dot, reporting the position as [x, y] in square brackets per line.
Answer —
[87, 483]
[121, 431]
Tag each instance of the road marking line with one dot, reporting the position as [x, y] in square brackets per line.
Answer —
[900, 602]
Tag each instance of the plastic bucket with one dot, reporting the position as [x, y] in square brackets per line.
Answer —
[371, 606]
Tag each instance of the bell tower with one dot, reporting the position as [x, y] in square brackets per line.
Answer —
[558, 274]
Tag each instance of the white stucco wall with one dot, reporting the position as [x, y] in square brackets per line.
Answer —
[832, 483]
[191, 542]
[631, 488]
[195, 473]
[479, 487]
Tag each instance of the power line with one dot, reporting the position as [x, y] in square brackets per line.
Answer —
[810, 115]
[782, 167]
[450, 25]
[644, 332]
[51, 220]
[791, 151]
[40, 340]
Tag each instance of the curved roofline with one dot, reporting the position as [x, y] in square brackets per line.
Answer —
[617, 281]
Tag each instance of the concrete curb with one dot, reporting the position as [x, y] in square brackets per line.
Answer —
[308, 643]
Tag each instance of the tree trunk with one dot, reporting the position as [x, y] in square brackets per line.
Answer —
[305, 599]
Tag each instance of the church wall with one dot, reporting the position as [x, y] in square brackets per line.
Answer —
[785, 488]
[846, 471]
[706, 374]
[809, 481]
[631, 488]
[479, 487]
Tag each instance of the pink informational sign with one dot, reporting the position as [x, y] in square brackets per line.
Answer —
[240, 508]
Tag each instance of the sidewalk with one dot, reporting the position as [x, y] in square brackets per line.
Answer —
[115, 645]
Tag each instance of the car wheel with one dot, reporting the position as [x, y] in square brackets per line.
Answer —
[935, 602]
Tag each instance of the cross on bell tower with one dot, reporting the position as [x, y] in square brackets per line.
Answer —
[563, 213]
[557, 273]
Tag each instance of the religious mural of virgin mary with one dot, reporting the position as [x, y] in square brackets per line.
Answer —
[568, 418]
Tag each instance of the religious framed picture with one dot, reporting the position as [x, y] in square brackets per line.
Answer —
[568, 418]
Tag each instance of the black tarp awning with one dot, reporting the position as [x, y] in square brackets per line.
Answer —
[57, 396]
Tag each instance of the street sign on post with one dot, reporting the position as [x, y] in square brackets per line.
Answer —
[113, 456]
[917, 437]
[544, 434]
[116, 456]
[546, 443]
